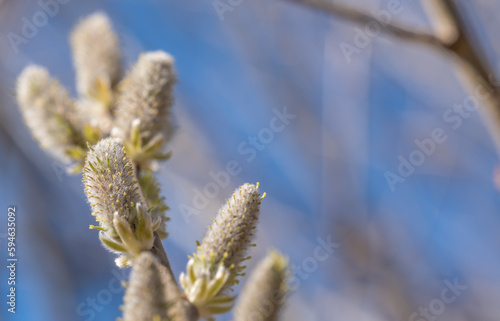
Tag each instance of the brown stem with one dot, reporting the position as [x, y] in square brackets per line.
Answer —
[161, 255]
[463, 48]
[353, 14]
[475, 66]
[185, 310]
[157, 249]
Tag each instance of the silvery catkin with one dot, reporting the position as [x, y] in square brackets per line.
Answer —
[96, 55]
[265, 290]
[127, 226]
[143, 109]
[49, 113]
[214, 268]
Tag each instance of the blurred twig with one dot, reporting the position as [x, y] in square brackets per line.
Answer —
[354, 14]
[455, 38]
[475, 66]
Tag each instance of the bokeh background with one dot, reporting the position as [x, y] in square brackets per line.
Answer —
[324, 174]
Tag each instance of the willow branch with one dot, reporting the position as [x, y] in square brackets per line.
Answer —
[356, 15]
[474, 65]
[158, 250]
[455, 39]
[160, 254]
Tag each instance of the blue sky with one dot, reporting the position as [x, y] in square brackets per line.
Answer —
[325, 173]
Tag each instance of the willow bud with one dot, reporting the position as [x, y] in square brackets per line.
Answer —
[50, 114]
[143, 108]
[97, 60]
[218, 261]
[265, 291]
[149, 295]
[96, 54]
[127, 225]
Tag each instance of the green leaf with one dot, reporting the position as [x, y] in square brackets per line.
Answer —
[112, 244]
[126, 235]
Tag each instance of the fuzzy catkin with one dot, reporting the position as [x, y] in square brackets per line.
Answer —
[150, 292]
[126, 222]
[216, 265]
[48, 111]
[265, 291]
[97, 60]
[232, 231]
[153, 292]
[96, 54]
[110, 182]
[147, 95]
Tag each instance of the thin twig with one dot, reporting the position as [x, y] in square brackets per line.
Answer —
[356, 15]
[160, 253]
[461, 46]
[443, 23]
[475, 68]
[157, 248]
[186, 310]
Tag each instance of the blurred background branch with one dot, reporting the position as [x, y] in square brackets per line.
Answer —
[357, 15]
[453, 36]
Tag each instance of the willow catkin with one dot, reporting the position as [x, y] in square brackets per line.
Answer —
[97, 60]
[49, 112]
[127, 225]
[232, 231]
[147, 96]
[150, 293]
[218, 262]
[96, 54]
[265, 291]
[110, 181]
